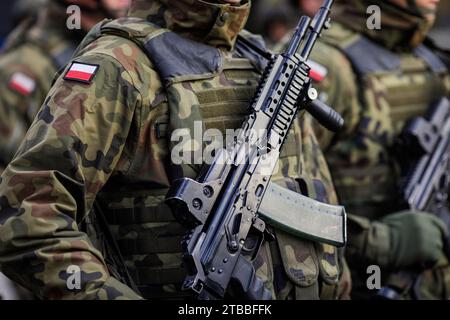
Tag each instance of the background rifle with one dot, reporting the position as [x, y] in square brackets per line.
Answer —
[426, 188]
[427, 184]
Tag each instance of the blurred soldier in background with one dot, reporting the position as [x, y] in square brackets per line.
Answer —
[40, 46]
[378, 79]
[265, 11]
[32, 55]
[276, 25]
[104, 136]
[308, 7]
[26, 9]
[279, 17]
[441, 32]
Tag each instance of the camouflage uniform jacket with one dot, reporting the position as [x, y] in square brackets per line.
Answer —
[30, 59]
[108, 138]
[375, 104]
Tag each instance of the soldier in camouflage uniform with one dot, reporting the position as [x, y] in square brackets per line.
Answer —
[33, 53]
[378, 79]
[103, 136]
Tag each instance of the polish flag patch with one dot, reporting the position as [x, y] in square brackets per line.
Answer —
[318, 72]
[81, 72]
[22, 84]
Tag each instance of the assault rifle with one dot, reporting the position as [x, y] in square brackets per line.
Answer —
[221, 207]
[427, 142]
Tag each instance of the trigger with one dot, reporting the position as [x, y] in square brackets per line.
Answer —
[259, 235]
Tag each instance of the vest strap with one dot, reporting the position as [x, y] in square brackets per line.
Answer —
[172, 54]
[154, 245]
[367, 57]
[432, 59]
[253, 48]
[139, 214]
[159, 276]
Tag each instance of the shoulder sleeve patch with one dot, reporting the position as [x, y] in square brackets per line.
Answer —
[22, 83]
[81, 72]
[318, 72]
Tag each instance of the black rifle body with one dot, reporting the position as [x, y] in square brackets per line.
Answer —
[428, 181]
[426, 142]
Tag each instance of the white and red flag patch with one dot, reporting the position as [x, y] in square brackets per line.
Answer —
[81, 72]
[318, 72]
[22, 83]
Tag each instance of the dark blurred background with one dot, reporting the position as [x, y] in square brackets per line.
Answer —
[273, 18]
[12, 12]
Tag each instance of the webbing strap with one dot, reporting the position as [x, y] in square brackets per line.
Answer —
[170, 244]
[367, 57]
[431, 58]
[159, 275]
[172, 56]
[139, 214]
[173, 64]
[243, 93]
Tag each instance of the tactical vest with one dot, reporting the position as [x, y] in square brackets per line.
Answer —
[393, 88]
[216, 89]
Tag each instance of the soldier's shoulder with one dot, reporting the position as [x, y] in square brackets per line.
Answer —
[126, 54]
[330, 47]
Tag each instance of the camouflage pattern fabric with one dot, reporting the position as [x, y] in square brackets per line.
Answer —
[375, 106]
[109, 139]
[28, 65]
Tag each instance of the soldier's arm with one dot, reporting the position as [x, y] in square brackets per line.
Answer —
[337, 86]
[17, 91]
[26, 74]
[67, 156]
